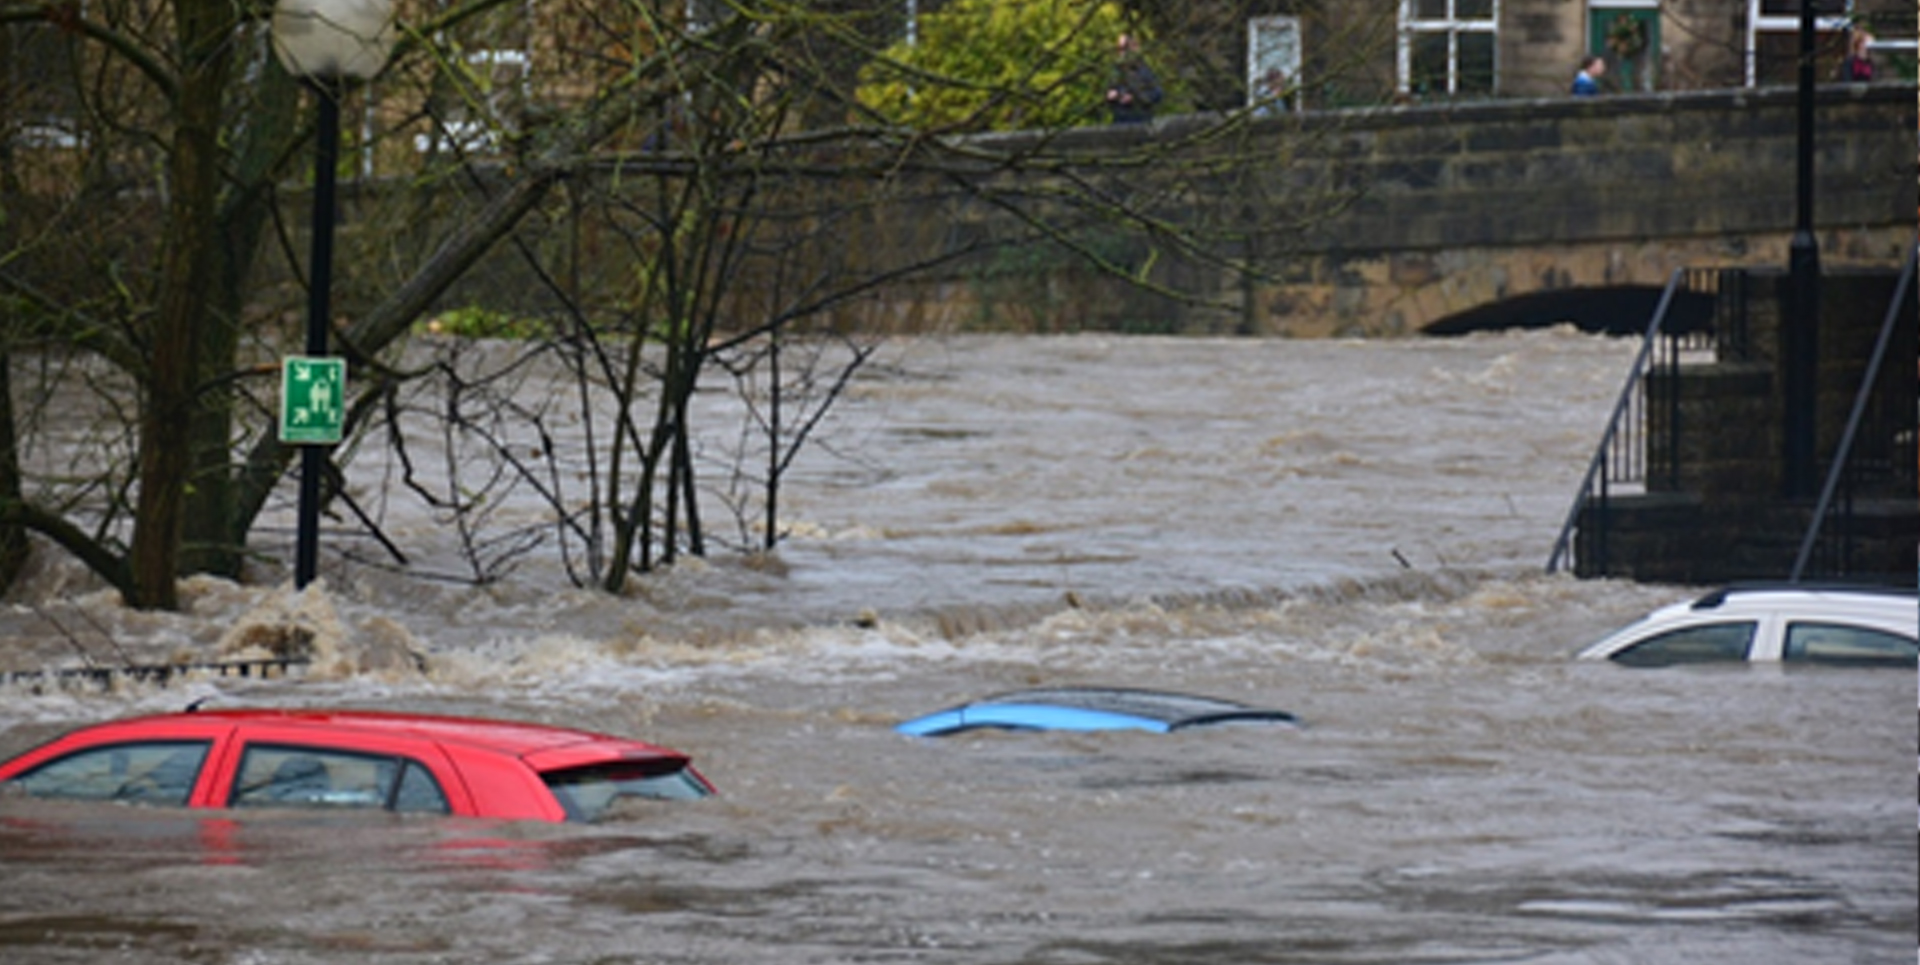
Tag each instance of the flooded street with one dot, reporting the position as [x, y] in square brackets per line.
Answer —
[1351, 531]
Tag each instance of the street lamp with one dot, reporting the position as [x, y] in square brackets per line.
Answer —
[1800, 334]
[327, 43]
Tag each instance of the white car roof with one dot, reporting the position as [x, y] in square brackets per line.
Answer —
[1892, 601]
[1894, 609]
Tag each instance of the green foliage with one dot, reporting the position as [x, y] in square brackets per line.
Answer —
[1899, 65]
[476, 322]
[1001, 65]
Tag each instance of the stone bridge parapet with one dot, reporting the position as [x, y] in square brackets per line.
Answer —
[1452, 210]
[1395, 221]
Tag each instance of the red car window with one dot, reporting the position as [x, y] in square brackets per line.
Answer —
[143, 772]
[588, 793]
[274, 775]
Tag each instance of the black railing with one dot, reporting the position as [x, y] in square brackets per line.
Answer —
[104, 677]
[1624, 453]
[1883, 415]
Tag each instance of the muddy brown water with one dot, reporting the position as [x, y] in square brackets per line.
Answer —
[1352, 531]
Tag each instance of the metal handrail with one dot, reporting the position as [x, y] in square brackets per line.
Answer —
[1596, 468]
[160, 673]
[1861, 400]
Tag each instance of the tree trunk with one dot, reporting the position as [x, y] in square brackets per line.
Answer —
[205, 27]
[13, 538]
[214, 537]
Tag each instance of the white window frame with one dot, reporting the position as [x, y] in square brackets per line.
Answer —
[1593, 5]
[51, 131]
[1453, 27]
[1759, 23]
[483, 135]
[1272, 42]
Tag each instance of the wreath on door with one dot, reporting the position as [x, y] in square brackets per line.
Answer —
[1627, 36]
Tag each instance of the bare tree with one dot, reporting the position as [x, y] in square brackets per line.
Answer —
[748, 214]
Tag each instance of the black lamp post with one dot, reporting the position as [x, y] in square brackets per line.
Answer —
[328, 43]
[1800, 333]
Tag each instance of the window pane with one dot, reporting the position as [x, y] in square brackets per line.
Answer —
[1431, 10]
[160, 772]
[587, 793]
[1837, 644]
[1429, 64]
[38, 66]
[419, 792]
[1473, 9]
[1791, 8]
[362, 782]
[1714, 641]
[1476, 63]
[312, 778]
[1776, 56]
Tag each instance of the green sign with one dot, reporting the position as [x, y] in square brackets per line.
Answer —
[311, 395]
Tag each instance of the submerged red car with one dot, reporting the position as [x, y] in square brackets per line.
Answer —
[409, 763]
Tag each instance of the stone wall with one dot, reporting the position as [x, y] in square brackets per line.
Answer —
[1443, 210]
[1375, 223]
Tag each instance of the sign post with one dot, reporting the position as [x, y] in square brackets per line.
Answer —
[313, 390]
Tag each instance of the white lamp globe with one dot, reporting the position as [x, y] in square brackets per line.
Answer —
[332, 39]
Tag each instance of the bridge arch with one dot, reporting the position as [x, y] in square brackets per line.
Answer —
[1610, 310]
[1558, 211]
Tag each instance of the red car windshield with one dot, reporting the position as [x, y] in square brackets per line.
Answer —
[589, 793]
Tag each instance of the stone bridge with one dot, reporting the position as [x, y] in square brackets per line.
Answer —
[1396, 221]
[1525, 212]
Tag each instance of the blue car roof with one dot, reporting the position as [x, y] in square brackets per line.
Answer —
[1090, 708]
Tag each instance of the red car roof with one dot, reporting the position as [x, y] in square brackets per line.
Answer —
[486, 768]
[520, 739]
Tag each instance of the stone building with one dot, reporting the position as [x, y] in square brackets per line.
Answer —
[1471, 49]
[1332, 55]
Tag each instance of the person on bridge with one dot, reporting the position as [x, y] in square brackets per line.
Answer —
[1586, 83]
[1270, 95]
[1858, 67]
[1135, 90]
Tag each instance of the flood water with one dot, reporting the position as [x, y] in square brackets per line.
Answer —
[1351, 531]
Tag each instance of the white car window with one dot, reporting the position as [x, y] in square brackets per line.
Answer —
[1704, 642]
[1837, 643]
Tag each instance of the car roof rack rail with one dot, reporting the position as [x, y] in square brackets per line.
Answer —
[1719, 596]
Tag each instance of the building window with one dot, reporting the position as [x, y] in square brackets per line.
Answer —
[40, 88]
[482, 89]
[1273, 64]
[1773, 39]
[1447, 47]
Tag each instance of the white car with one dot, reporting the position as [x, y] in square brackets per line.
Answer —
[1857, 626]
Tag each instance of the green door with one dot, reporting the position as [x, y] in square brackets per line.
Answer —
[1629, 38]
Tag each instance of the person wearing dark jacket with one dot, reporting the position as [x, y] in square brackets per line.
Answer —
[1135, 90]
[1858, 67]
